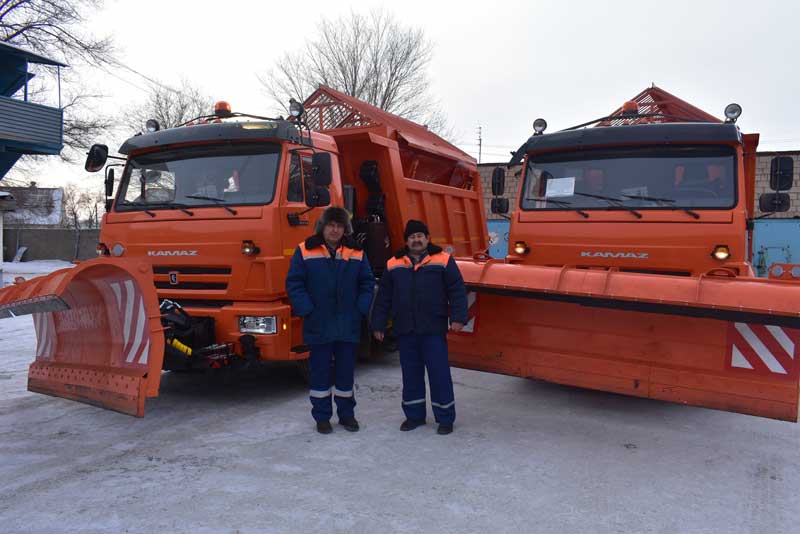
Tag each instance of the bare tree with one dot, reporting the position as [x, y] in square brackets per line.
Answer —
[56, 28]
[168, 106]
[371, 57]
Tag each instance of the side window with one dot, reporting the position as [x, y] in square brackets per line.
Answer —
[307, 176]
[299, 178]
[295, 189]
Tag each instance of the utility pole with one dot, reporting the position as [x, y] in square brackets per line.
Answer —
[480, 143]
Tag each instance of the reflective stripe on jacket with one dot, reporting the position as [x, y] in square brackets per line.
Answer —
[331, 294]
[420, 297]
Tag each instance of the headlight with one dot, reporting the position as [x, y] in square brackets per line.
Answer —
[249, 248]
[520, 247]
[539, 126]
[721, 252]
[258, 324]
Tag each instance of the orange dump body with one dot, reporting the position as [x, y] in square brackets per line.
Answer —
[633, 301]
[208, 216]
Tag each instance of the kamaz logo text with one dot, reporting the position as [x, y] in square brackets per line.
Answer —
[634, 255]
[172, 253]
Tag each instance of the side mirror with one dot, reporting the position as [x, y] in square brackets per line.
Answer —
[96, 158]
[499, 205]
[109, 182]
[321, 167]
[320, 197]
[498, 181]
[781, 169]
[774, 202]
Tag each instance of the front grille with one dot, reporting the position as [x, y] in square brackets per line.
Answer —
[192, 285]
[192, 277]
[198, 303]
[656, 271]
[189, 269]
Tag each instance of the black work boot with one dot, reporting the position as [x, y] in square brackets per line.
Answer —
[411, 424]
[324, 427]
[444, 429]
[349, 423]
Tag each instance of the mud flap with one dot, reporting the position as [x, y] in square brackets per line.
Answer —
[98, 330]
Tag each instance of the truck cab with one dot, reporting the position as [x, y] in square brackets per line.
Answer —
[216, 208]
[672, 198]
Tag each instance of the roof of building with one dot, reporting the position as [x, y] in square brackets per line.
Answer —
[8, 51]
[35, 205]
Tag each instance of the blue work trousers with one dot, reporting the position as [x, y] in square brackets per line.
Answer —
[332, 369]
[418, 353]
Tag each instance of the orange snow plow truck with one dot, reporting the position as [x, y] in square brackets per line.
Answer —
[628, 267]
[196, 242]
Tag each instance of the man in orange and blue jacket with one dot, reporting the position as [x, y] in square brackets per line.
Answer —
[422, 288]
[330, 285]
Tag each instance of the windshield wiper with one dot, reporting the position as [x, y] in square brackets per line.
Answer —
[214, 199]
[665, 200]
[617, 201]
[561, 203]
[170, 205]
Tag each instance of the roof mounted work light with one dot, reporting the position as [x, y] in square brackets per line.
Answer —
[152, 125]
[222, 109]
[295, 108]
[732, 112]
[539, 126]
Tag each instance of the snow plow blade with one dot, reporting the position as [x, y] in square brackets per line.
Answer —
[98, 330]
[720, 341]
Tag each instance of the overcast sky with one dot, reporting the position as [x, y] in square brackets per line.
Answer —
[498, 64]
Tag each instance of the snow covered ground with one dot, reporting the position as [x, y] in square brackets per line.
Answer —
[29, 269]
[525, 457]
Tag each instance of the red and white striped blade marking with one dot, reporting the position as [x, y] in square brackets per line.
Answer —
[472, 312]
[136, 338]
[45, 335]
[767, 350]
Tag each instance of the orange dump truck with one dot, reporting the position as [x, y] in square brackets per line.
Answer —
[629, 270]
[196, 242]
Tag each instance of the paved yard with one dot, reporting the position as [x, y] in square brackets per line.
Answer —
[525, 457]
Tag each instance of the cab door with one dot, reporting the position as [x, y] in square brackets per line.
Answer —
[297, 219]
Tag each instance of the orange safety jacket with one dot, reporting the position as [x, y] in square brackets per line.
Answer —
[420, 297]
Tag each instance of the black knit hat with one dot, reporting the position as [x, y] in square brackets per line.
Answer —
[414, 226]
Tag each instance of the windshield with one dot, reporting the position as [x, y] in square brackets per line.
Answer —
[632, 178]
[200, 176]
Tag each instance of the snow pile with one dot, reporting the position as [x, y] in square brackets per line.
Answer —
[29, 269]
